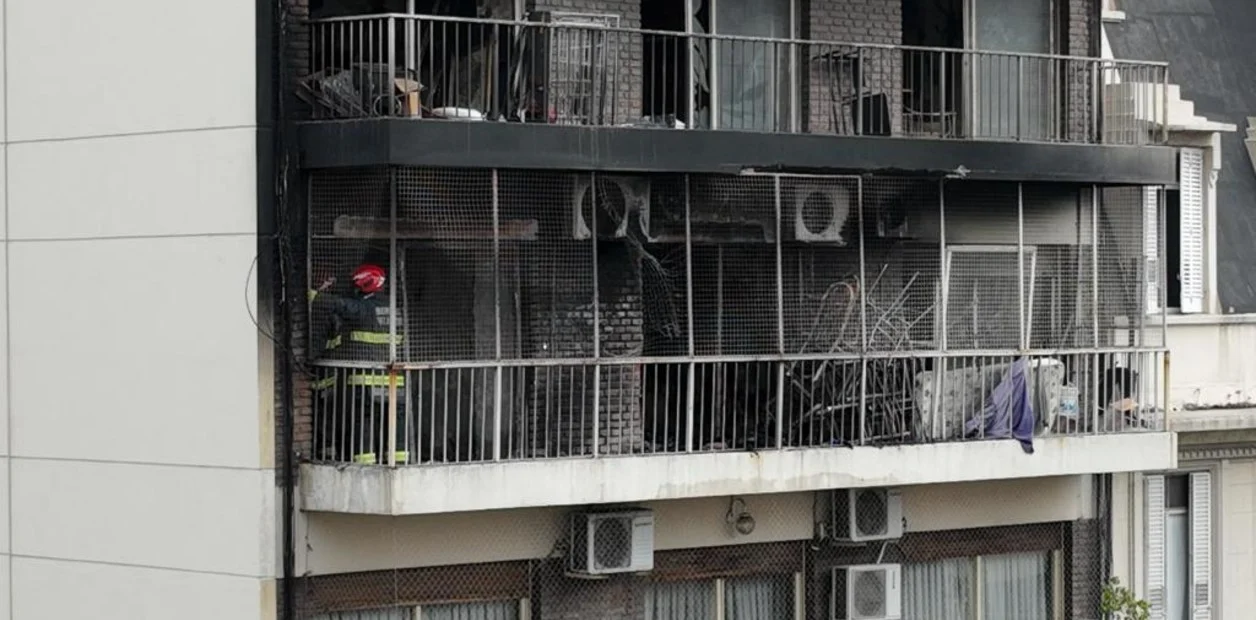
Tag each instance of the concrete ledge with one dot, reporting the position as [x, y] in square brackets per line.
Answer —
[1205, 420]
[572, 482]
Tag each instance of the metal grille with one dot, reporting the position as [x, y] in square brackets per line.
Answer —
[920, 552]
[564, 68]
[546, 315]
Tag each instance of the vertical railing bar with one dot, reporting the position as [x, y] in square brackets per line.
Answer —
[1020, 97]
[392, 318]
[943, 293]
[780, 314]
[863, 314]
[392, 67]
[689, 387]
[1094, 298]
[1164, 106]
[497, 317]
[597, 316]
[1022, 329]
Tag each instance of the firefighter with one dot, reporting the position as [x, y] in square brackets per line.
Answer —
[359, 333]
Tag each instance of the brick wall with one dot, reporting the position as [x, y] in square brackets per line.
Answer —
[852, 21]
[627, 66]
[1080, 79]
[559, 320]
[622, 334]
[1084, 577]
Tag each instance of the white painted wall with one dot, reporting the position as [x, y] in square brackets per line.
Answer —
[138, 468]
[339, 543]
[1214, 361]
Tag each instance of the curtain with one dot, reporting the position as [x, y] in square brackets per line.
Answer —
[682, 600]
[759, 598]
[391, 613]
[1016, 586]
[495, 610]
[940, 590]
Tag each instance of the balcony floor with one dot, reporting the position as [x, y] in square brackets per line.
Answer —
[565, 482]
[463, 144]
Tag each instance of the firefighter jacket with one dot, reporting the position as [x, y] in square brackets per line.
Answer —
[359, 326]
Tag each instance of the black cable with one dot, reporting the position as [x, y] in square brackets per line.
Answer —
[279, 59]
[284, 346]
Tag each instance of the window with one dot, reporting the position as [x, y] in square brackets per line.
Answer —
[759, 597]
[1183, 273]
[1179, 545]
[990, 587]
[485, 610]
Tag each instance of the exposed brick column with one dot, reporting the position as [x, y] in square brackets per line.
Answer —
[853, 21]
[1081, 77]
[627, 66]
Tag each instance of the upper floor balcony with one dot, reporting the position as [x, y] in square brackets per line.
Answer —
[578, 90]
[584, 338]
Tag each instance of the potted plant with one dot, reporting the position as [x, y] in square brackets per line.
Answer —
[1119, 603]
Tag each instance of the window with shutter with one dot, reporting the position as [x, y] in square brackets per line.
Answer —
[1191, 209]
[1155, 500]
[1151, 249]
[1201, 546]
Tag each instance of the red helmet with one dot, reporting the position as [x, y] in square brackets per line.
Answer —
[369, 278]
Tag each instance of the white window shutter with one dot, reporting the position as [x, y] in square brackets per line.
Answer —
[1151, 249]
[1201, 546]
[1154, 496]
[1191, 190]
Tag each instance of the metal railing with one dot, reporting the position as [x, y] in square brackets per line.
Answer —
[585, 70]
[463, 413]
[535, 315]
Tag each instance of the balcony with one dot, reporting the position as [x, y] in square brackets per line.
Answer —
[556, 338]
[428, 90]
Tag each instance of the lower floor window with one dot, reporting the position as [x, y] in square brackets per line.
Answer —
[769, 597]
[489, 610]
[989, 587]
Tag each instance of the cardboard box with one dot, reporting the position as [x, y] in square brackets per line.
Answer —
[408, 94]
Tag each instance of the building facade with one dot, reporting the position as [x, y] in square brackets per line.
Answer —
[720, 309]
[141, 483]
[1182, 535]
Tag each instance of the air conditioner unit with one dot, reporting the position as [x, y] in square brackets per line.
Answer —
[867, 592]
[861, 515]
[821, 211]
[619, 199]
[606, 543]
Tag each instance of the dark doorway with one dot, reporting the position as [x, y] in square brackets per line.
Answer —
[1173, 248]
[932, 79]
[666, 62]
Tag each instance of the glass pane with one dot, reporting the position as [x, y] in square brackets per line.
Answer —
[759, 598]
[392, 613]
[753, 75]
[1012, 92]
[495, 610]
[939, 590]
[1015, 586]
[1177, 557]
[682, 600]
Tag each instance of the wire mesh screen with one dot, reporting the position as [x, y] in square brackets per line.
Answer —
[538, 314]
[916, 552]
